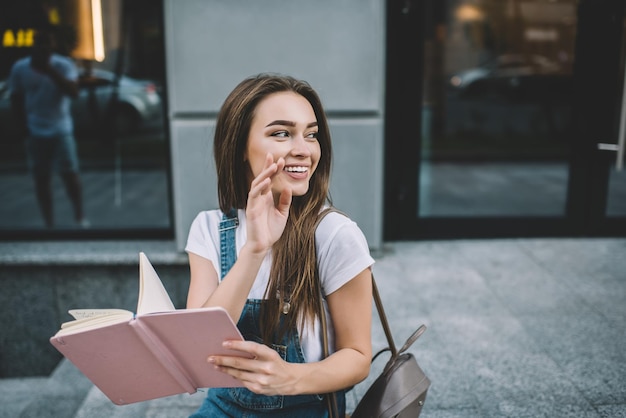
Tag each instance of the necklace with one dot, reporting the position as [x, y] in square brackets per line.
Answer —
[286, 301]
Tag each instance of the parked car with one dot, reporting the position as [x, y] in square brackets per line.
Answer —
[135, 105]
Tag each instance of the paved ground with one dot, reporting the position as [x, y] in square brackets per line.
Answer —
[516, 328]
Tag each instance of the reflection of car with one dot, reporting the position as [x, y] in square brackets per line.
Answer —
[138, 104]
[508, 65]
[515, 78]
[511, 98]
[96, 110]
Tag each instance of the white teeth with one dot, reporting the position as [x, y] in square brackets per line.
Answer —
[296, 169]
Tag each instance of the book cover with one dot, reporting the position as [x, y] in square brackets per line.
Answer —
[159, 351]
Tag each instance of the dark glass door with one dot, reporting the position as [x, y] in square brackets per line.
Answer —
[495, 110]
[597, 193]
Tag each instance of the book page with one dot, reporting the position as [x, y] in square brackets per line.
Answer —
[152, 295]
[94, 322]
[90, 313]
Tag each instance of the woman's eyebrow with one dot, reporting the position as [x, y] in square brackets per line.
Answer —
[281, 122]
[288, 123]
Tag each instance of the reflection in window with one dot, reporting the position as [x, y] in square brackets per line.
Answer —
[117, 116]
[497, 108]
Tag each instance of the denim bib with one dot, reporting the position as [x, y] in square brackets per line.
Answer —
[241, 402]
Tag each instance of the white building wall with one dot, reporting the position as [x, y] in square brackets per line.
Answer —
[336, 45]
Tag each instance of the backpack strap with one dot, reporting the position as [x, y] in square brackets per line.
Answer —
[383, 320]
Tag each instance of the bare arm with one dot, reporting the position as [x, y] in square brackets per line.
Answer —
[351, 312]
[265, 221]
[232, 293]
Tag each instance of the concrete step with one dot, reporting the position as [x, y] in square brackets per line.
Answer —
[17, 393]
[97, 405]
[67, 393]
[58, 396]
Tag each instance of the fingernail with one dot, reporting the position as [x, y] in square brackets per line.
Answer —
[226, 344]
[211, 359]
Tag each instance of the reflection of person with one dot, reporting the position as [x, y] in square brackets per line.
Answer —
[273, 154]
[42, 86]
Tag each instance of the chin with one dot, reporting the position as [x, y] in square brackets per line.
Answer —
[300, 191]
[296, 189]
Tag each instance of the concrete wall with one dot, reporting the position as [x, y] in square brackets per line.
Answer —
[35, 298]
[337, 46]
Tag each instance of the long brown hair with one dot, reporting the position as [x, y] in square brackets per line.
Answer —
[293, 274]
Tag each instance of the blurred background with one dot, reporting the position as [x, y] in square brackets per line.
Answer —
[492, 117]
[516, 115]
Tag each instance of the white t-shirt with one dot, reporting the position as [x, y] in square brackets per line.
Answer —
[342, 253]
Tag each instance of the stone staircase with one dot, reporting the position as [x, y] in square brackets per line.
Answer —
[67, 393]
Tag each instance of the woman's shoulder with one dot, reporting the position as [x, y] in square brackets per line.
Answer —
[334, 224]
[342, 250]
[207, 219]
[208, 215]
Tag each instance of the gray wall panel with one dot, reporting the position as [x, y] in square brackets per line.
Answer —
[193, 173]
[356, 183]
[335, 45]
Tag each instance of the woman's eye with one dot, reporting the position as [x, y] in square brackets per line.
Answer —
[287, 134]
[281, 134]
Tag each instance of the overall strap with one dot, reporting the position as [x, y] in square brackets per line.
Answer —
[228, 246]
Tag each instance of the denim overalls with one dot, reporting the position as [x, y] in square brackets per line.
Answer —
[241, 402]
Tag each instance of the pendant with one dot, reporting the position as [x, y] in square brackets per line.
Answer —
[286, 307]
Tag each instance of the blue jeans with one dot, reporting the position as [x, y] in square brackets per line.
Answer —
[241, 402]
[47, 154]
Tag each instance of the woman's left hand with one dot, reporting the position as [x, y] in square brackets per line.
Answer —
[266, 373]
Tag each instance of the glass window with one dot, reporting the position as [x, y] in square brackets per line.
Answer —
[118, 179]
[497, 111]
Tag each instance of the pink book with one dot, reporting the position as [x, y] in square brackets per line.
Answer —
[158, 352]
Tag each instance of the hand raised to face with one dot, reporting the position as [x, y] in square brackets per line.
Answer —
[267, 211]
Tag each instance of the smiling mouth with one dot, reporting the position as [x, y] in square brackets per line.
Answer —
[296, 169]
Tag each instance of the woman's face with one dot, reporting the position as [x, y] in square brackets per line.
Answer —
[285, 125]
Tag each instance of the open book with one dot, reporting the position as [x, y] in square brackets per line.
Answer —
[160, 351]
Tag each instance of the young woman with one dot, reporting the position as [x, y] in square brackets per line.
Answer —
[260, 257]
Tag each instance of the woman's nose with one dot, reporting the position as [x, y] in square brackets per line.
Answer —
[300, 146]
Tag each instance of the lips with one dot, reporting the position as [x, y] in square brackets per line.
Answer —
[297, 172]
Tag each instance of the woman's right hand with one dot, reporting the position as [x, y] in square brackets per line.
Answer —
[266, 214]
